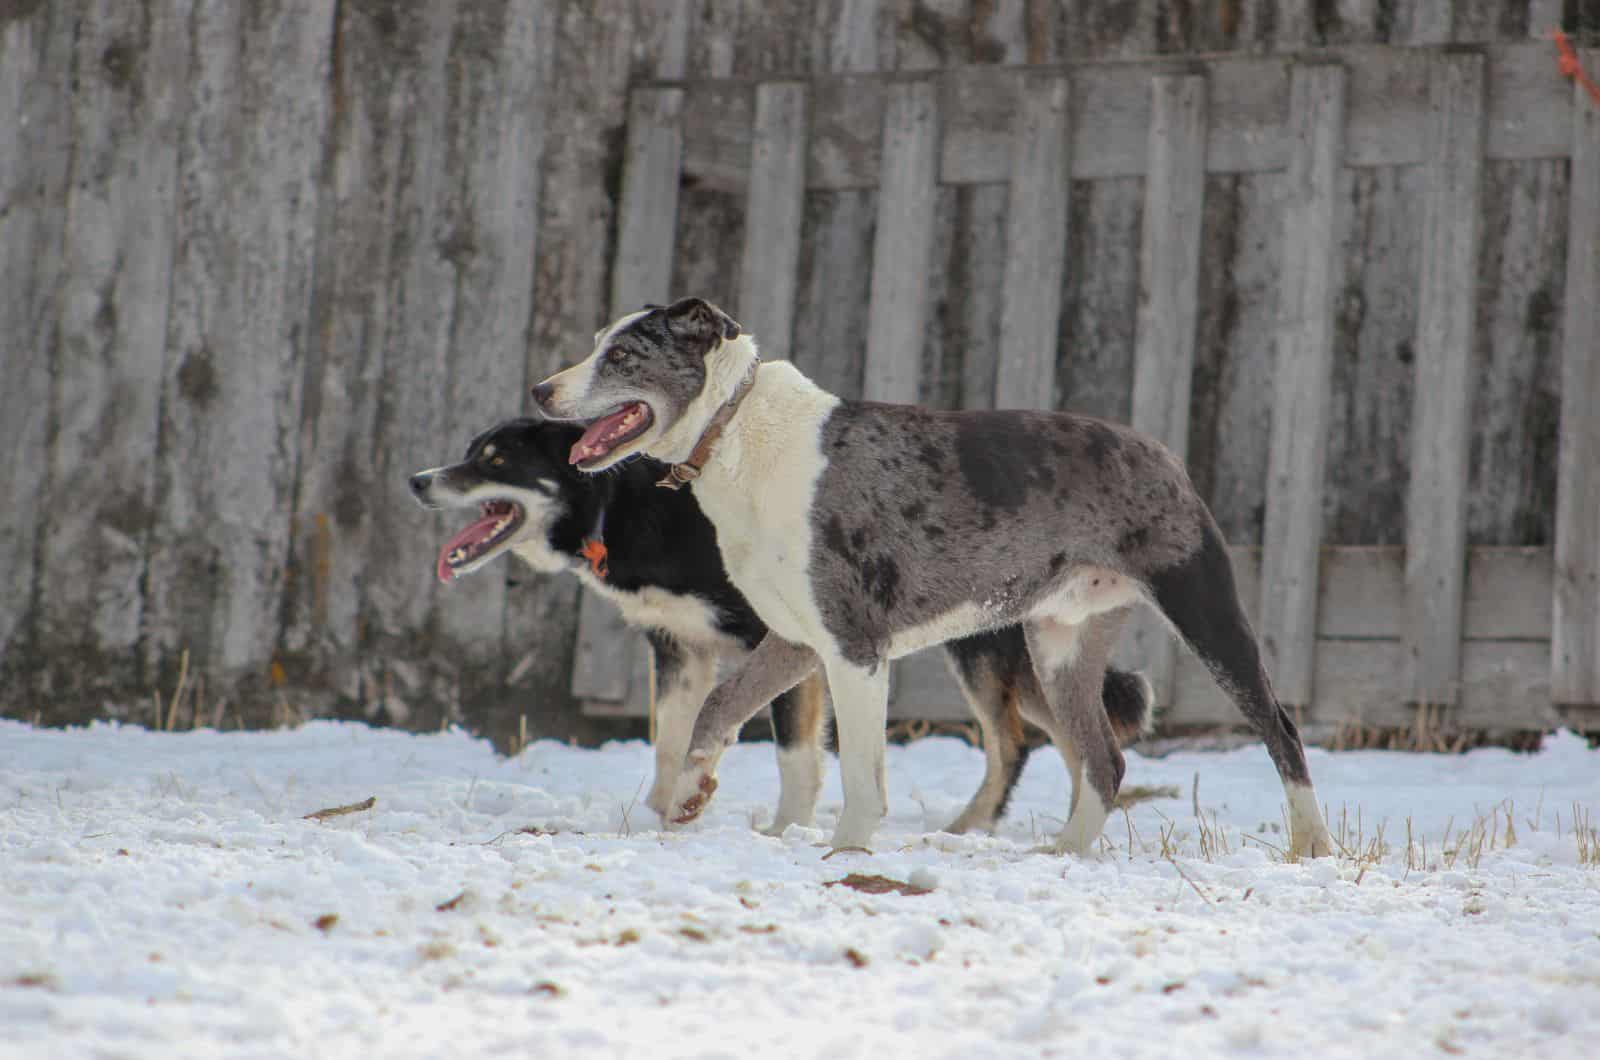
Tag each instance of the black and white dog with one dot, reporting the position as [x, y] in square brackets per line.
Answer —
[654, 554]
[860, 532]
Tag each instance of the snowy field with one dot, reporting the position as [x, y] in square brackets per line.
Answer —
[163, 895]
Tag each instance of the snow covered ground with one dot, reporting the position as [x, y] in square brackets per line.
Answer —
[163, 895]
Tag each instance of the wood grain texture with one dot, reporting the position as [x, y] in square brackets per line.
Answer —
[1036, 243]
[112, 341]
[409, 674]
[609, 656]
[254, 120]
[496, 149]
[1169, 277]
[1446, 333]
[1428, 22]
[1516, 399]
[1575, 645]
[1387, 102]
[352, 311]
[1292, 537]
[35, 171]
[897, 316]
[769, 275]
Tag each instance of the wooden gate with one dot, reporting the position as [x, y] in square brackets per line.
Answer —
[1503, 638]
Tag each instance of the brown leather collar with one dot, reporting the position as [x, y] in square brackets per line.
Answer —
[680, 475]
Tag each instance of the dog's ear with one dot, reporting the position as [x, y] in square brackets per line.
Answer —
[700, 319]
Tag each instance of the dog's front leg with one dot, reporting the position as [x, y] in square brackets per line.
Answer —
[776, 666]
[683, 675]
[860, 712]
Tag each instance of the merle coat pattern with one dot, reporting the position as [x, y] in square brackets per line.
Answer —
[861, 531]
[666, 575]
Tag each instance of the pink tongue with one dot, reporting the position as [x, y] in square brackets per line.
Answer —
[478, 531]
[589, 445]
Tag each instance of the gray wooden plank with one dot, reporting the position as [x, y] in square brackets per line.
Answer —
[1169, 257]
[410, 673]
[1036, 244]
[1230, 404]
[776, 204]
[35, 168]
[250, 161]
[1511, 485]
[1436, 499]
[1427, 22]
[1387, 98]
[898, 311]
[118, 257]
[585, 100]
[608, 653]
[352, 310]
[1575, 646]
[496, 148]
[649, 206]
[1309, 279]
[1544, 16]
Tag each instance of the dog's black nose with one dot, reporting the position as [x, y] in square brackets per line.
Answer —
[542, 392]
[421, 481]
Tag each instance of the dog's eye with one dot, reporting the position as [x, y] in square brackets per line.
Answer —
[616, 354]
[497, 461]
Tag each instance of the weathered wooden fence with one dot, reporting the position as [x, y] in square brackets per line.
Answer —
[1504, 638]
[259, 261]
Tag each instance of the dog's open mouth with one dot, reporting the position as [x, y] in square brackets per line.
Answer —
[498, 521]
[610, 431]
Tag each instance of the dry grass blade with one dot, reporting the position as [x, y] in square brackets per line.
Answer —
[1186, 879]
[874, 884]
[340, 811]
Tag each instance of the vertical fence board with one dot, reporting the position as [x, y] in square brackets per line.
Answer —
[1575, 632]
[643, 269]
[1169, 276]
[492, 220]
[36, 59]
[112, 342]
[411, 667]
[351, 315]
[1436, 501]
[1309, 286]
[907, 193]
[251, 156]
[768, 279]
[1430, 22]
[1036, 244]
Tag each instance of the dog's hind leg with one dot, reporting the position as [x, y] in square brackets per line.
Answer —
[1198, 597]
[860, 713]
[798, 718]
[1070, 659]
[993, 671]
[683, 675]
[775, 666]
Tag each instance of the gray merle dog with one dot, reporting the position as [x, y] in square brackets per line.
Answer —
[861, 532]
[654, 554]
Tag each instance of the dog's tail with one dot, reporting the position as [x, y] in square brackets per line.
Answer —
[1130, 701]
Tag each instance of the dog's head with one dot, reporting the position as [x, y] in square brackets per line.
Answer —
[644, 388]
[516, 475]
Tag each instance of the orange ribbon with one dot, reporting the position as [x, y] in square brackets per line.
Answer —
[595, 552]
[1567, 62]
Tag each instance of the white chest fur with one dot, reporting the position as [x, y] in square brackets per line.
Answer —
[758, 490]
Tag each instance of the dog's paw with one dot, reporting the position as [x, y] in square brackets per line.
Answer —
[694, 789]
[690, 808]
